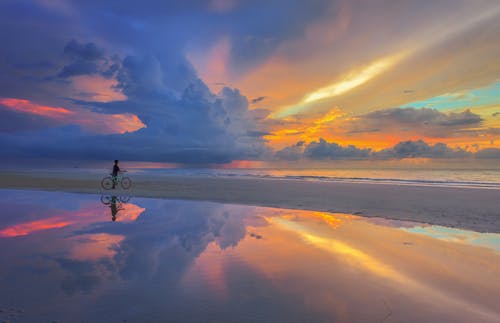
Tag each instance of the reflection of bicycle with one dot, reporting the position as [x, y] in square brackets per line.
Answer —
[107, 199]
[115, 204]
[109, 182]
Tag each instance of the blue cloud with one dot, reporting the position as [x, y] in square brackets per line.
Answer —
[185, 121]
[323, 150]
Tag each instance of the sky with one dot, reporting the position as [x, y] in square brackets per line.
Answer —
[222, 80]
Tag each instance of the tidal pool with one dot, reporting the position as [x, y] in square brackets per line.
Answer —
[91, 258]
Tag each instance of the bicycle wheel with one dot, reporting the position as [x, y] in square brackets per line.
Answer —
[126, 183]
[107, 183]
[105, 199]
[124, 199]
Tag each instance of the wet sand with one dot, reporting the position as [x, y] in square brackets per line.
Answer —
[187, 261]
[475, 209]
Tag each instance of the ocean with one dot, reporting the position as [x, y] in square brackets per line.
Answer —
[483, 177]
[473, 174]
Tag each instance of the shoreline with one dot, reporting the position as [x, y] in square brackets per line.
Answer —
[476, 209]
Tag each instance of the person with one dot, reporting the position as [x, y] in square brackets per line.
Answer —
[114, 208]
[116, 170]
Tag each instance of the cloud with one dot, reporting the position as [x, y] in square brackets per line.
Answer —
[78, 68]
[188, 125]
[87, 59]
[421, 116]
[293, 152]
[488, 153]
[88, 52]
[258, 100]
[419, 148]
[151, 84]
[348, 82]
[58, 55]
[423, 121]
[13, 121]
[34, 116]
[303, 67]
[323, 150]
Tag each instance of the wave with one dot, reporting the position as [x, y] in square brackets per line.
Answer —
[445, 180]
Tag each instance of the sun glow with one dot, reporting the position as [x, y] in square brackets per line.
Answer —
[350, 81]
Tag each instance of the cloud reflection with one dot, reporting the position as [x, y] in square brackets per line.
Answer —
[199, 261]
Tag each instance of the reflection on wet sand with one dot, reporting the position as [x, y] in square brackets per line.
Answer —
[357, 258]
[45, 219]
[116, 204]
[198, 261]
[22, 229]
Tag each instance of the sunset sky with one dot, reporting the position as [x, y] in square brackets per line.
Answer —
[222, 80]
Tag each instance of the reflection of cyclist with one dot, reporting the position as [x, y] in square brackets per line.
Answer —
[115, 203]
[116, 169]
[114, 209]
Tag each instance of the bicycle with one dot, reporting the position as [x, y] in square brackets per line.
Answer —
[108, 181]
[108, 199]
[115, 204]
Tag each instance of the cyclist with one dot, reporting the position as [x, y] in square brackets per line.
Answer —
[116, 170]
[114, 208]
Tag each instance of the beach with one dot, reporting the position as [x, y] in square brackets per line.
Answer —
[87, 258]
[476, 209]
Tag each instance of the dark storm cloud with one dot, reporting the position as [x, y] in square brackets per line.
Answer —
[293, 152]
[79, 67]
[413, 116]
[429, 122]
[323, 150]
[88, 52]
[189, 126]
[419, 148]
[488, 153]
[88, 59]
[185, 121]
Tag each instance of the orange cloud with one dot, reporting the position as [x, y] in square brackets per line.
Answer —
[26, 106]
[96, 88]
[89, 120]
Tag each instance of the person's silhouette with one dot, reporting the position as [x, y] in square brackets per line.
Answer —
[116, 170]
[114, 208]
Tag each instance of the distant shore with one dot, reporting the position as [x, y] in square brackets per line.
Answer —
[468, 208]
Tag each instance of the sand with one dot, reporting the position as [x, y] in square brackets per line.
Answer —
[476, 209]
